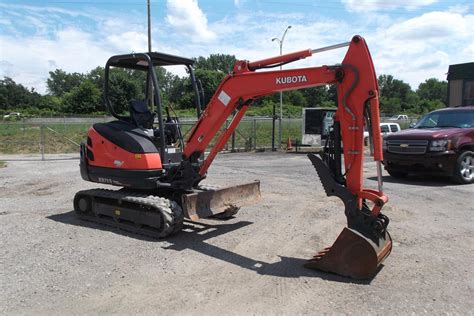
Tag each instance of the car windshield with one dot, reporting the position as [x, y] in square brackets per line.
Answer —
[461, 119]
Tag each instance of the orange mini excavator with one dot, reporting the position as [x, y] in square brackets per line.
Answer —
[145, 154]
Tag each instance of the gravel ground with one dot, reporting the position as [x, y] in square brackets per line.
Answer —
[52, 263]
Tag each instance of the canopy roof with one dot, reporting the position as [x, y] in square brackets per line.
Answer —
[139, 61]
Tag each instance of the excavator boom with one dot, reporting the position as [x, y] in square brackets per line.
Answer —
[362, 246]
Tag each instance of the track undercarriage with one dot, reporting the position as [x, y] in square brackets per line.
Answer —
[159, 214]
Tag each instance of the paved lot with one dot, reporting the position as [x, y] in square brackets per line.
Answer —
[52, 263]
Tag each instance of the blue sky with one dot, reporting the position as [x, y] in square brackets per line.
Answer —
[410, 39]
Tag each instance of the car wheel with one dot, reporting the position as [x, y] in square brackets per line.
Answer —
[464, 170]
[397, 174]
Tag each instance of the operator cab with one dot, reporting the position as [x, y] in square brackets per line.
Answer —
[145, 122]
[145, 141]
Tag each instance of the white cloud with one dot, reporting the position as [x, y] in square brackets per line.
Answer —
[410, 49]
[375, 5]
[422, 47]
[56, 41]
[434, 25]
[469, 50]
[129, 41]
[460, 8]
[239, 3]
[188, 20]
[71, 50]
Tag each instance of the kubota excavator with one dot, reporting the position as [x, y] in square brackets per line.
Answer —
[160, 173]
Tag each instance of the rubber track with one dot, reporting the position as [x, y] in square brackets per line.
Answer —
[171, 213]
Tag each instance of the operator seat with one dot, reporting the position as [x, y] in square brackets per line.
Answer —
[141, 115]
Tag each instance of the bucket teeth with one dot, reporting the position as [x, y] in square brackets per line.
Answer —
[321, 253]
[352, 255]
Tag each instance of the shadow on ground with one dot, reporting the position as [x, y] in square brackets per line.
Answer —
[194, 236]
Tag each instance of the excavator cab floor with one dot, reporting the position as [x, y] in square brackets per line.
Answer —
[352, 255]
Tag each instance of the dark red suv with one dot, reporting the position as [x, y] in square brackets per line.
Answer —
[441, 142]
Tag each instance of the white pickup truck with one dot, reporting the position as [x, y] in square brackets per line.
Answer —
[385, 128]
[398, 117]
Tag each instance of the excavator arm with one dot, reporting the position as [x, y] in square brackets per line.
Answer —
[237, 92]
[357, 95]
[362, 246]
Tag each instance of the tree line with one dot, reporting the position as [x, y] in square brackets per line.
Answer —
[81, 93]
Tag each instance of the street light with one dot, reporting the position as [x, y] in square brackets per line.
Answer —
[280, 42]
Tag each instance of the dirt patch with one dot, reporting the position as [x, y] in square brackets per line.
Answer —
[53, 263]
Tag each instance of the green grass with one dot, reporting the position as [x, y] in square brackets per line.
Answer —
[257, 133]
[261, 110]
[3, 164]
[260, 132]
[24, 138]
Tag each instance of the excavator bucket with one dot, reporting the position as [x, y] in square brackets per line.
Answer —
[220, 203]
[352, 255]
[362, 246]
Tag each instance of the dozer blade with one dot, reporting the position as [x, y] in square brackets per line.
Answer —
[225, 201]
[352, 255]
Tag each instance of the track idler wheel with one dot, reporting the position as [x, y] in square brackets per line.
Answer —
[352, 255]
[82, 203]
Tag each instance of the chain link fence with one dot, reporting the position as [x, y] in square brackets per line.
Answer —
[37, 138]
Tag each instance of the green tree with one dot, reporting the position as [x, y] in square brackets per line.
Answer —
[17, 96]
[210, 80]
[178, 92]
[390, 106]
[395, 95]
[123, 88]
[217, 62]
[210, 71]
[324, 96]
[293, 97]
[83, 99]
[96, 75]
[393, 88]
[426, 106]
[433, 89]
[50, 103]
[170, 86]
[60, 82]
[412, 104]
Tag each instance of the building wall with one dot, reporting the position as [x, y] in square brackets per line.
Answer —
[455, 92]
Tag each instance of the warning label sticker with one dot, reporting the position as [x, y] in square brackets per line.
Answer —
[224, 98]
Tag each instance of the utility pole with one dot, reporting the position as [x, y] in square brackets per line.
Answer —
[149, 26]
[280, 41]
[150, 84]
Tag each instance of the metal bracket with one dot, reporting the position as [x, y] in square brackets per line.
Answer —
[362, 220]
